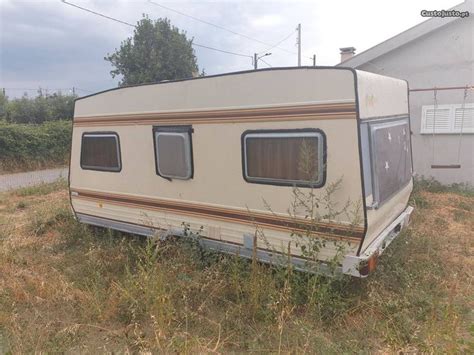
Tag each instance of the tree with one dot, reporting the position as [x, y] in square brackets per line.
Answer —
[39, 109]
[3, 104]
[157, 51]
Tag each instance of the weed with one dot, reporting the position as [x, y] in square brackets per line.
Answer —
[459, 216]
[47, 217]
[465, 206]
[432, 185]
[4, 347]
[21, 205]
[417, 200]
[83, 289]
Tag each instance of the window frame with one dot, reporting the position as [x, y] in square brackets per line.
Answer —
[118, 150]
[373, 126]
[452, 119]
[174, 129]
[308, 132]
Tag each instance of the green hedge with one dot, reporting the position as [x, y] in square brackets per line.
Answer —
[39, 109]
[29, 146]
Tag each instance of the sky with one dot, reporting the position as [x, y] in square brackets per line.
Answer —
[47, 44]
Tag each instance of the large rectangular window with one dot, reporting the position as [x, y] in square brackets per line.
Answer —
[173, 152]
[391, 158]
[284, 157]
[100, 151]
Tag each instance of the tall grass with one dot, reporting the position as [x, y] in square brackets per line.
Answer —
[41, 189]
[71, 288]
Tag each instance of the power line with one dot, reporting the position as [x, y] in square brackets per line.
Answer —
[129, 24]
[266, 63]
[280, 42]
[221, 50]
[98, 14]
[84, 90]
[221, 27]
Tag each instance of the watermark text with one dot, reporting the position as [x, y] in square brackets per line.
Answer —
[444, 13]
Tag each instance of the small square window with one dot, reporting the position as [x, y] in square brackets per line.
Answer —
[173, 152]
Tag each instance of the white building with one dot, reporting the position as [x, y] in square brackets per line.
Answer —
[436, 58]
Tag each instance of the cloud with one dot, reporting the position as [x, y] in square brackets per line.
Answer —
[49, 44]
[267, 21]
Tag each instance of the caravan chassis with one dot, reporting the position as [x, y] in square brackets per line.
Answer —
[358, 266]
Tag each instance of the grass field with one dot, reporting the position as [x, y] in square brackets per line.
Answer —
[66, 287]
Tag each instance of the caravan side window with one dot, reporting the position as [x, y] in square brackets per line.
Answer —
[173, 152]
[284, 157]
[101, 151]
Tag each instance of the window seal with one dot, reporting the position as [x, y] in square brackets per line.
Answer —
[118, 150]
[281, 182]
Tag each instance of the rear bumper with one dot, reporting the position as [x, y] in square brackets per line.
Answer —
[362, 265]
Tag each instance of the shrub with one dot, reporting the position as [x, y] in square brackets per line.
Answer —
[432, 185]
[27, 146]
[37, 109]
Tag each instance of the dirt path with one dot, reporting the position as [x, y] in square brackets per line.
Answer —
[30, 178]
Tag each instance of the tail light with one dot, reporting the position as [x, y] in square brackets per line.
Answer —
[369, 265]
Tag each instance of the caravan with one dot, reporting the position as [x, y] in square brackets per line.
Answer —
[238, 156]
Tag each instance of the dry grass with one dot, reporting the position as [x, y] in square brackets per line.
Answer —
[65, 287]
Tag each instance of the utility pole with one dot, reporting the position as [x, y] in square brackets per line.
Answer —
[73, 91]
[299, 44]
[314, 60]
[256, 58]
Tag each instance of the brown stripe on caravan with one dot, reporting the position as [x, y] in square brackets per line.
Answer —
[286, 113]
[327, 230]
[324, 225]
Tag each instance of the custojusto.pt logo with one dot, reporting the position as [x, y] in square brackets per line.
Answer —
[444, 13]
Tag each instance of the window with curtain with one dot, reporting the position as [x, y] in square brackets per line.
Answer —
[292, 157]
[101, 152]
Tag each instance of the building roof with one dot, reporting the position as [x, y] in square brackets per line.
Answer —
[405, 37]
